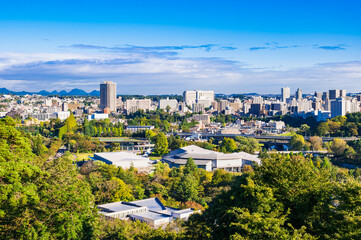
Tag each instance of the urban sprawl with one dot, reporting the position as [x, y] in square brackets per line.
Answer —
[200, 135]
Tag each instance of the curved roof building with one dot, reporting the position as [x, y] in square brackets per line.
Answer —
[210, 160]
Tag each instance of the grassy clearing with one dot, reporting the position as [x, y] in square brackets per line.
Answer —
[83, 156]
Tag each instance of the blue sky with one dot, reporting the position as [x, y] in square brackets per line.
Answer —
[157, 47]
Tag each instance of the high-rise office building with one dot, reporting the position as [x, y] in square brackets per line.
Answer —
[299, 94]
[285, 93]
[108, 95]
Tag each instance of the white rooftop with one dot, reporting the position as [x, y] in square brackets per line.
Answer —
[198, 153]
[123, 159]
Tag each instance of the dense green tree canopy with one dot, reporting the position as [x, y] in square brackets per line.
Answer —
[228, 145]
[40, 200]
[297, 142]
[287, 197]
[161, 145]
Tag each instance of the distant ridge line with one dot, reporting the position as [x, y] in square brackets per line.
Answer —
[73, 92]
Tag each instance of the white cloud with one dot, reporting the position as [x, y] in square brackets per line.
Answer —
[153, 74]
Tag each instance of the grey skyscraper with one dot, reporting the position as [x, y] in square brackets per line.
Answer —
[285, 93]
[108, 95]
[299, 94]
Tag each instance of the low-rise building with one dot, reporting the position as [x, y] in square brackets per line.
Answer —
[210, 160]
[98, 116]
[138, 128]
[201, 118]
[124, 160]
[151, 211]
[41, 116]
[62, 115]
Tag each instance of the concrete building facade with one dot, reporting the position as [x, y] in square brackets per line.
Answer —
[108, 95]
[198, 96]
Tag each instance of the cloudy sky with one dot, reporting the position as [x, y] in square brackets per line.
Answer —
[158, 47]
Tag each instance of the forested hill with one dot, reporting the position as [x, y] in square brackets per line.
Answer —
[288, 197]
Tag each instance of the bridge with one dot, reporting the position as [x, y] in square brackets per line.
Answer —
[261, 138]
[128, 144]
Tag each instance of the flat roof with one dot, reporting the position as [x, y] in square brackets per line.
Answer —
[153, 204]
[151, 215]
[116, 207]
[121, 157]
[120, 139]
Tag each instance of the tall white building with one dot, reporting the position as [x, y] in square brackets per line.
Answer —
[197, 96]
[108, 95]
[133, 105]
[285, 93]
[172, 103]
[342, 106]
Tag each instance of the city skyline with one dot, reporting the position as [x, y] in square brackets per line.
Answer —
[163, 47]
[97, 92]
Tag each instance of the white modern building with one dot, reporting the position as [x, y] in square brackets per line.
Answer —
[210, 160]
[151, 211]
[197, 96]
[125, 160]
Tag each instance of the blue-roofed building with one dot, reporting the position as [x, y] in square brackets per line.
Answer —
[150, 210]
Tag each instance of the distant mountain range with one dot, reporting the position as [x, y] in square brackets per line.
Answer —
[74, 92]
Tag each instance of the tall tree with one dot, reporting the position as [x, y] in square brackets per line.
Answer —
[228, 145]
[161, 146]
[187, 188]
[190, 166]
[316, 143]
[297, 142]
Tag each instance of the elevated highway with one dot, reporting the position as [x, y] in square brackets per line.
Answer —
[261, 138]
